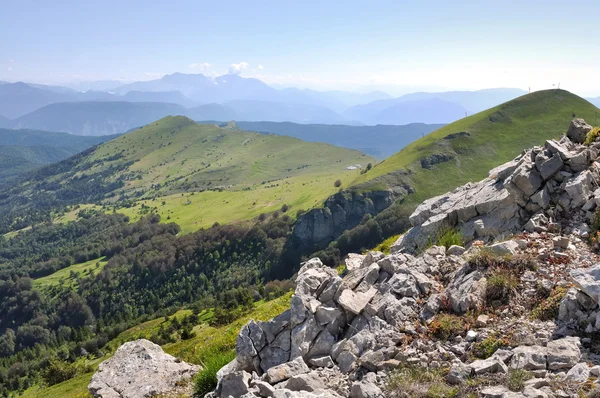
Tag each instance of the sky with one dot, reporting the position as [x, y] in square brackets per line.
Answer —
[397, 46]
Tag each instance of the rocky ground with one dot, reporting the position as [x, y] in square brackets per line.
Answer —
[512, 312]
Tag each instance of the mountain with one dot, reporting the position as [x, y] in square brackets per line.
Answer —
[18, 99]
[472, 101]
[481, 141]
[25, 150]
[172, 97]
[96, 117]
[175, 155]
[114, 117]
[214, 112]
[337, 101]
[4, 121]
[379, 141]
[453, 155]
[424, 103]
[97, 85]
[195, 86]
[432, 110]
[255, 110]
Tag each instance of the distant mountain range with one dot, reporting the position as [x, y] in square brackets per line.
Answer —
[380, 141]
[26, 150]
[106, 107]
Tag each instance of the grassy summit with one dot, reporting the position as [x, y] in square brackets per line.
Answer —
[176, 154]
[192, 174]
[467, 149]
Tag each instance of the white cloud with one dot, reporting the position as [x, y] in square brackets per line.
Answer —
[236, 69]
[202, 67]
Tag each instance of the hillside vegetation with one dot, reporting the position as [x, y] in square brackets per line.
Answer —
[176, 156]
[455, 154]
[480, 142]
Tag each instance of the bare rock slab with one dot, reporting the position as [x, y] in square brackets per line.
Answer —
[139, 369]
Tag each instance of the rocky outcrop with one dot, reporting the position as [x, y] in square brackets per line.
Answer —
[140, 369]
[316, 228]
[514, 197]
[343, 335]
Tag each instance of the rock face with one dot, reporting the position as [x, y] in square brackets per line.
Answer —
[563, 172]
[342, 211]
[139, 369]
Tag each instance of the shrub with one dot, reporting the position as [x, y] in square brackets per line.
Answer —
[516, 378]
[548, 309]
[284, 208]
[386, 245]
[448, 237]
[206, 380]
[59, 371]
[501, 285]
[337, 183]
[446, 326]
[419, 382]
[592, 136]
[487, 347]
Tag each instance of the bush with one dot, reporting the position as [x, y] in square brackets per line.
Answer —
[547, 310]
[337, 183]
[448, 237]
[206, 380]
[446, 326]
[592, 136]
[59, 371]
[487, 347]
[516, 378]
[501, 285]
[284, 208]
[386, 245]
[419, 382]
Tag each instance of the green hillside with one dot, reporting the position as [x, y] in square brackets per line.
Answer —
[178, 154]
[192, 174]
[484, 141]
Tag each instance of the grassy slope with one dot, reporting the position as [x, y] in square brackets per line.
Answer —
[256, 173]
[64, 274]
[175, 150]
[207, 340]
[206, 208]
[524, 122]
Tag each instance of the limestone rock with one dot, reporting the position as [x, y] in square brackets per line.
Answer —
[563, 353]
[529, 358]
[490, 365]
[234, 384]
[365, 389]
[578, 130]
[458, 373]
[139, 369]
[579, 373]
[356, 302]
[285, 371]
[588, 280]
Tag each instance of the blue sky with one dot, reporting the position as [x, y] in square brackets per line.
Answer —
[397, 45]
